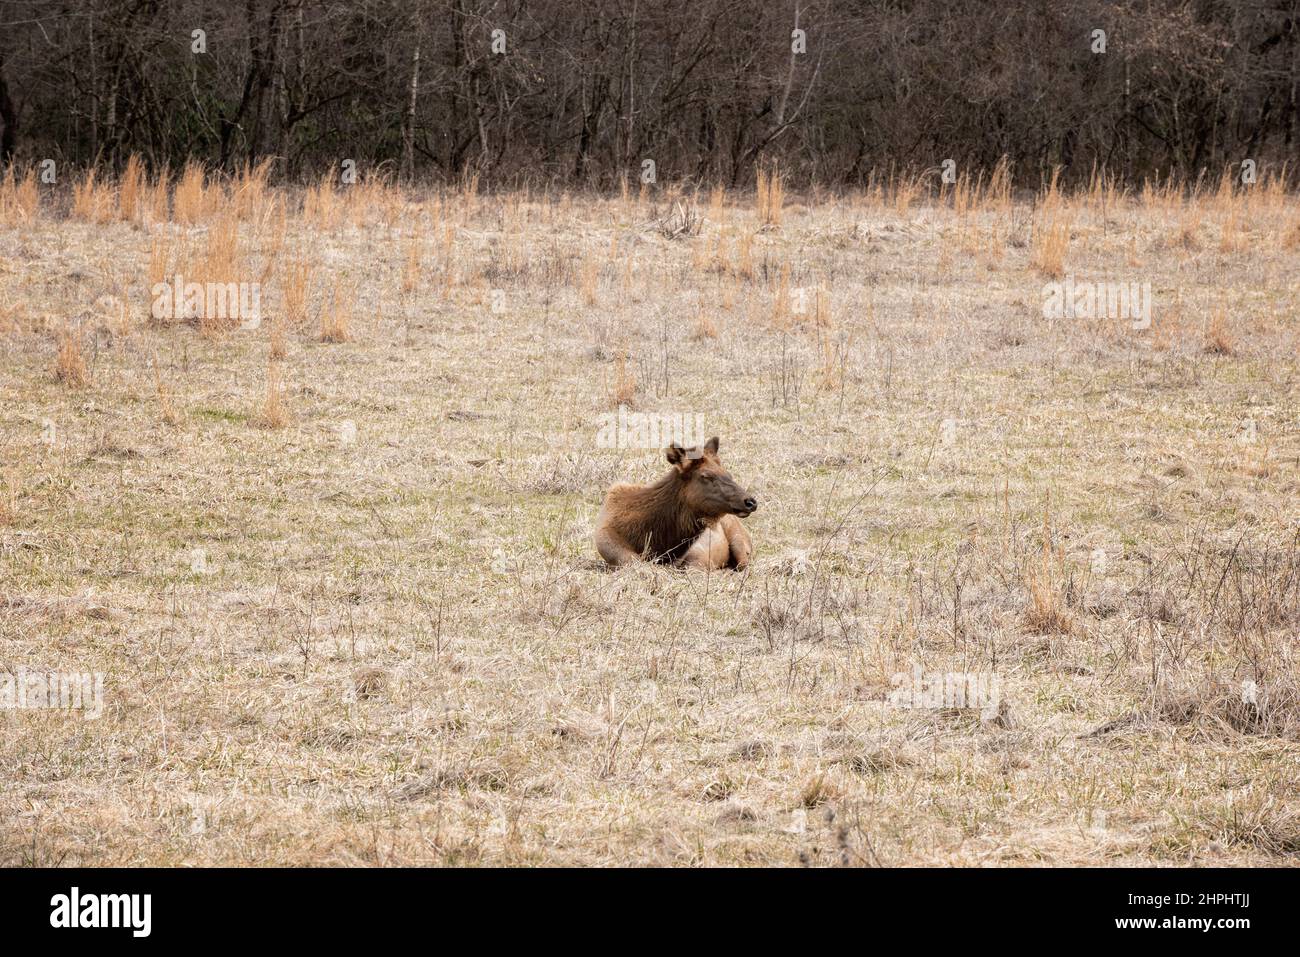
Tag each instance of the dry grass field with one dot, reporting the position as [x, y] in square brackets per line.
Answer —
[336, 568]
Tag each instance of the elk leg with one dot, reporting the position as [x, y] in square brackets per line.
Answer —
[708, 551]
[614, 550]
[739, 545]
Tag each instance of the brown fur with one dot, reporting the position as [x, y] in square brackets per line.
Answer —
[688, 517]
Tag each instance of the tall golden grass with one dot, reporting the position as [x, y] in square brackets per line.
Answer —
[1213, 211]
[295, 284]
[336, 314]
[770, 196]
[321, 204]
[69, 360]
[92, 200]
[191, 199]
[20, 199]
[130, 190]
[623, 390]
[413, 264]
[166, 405]
[1051, 233]
[274, 414]
[1047, 611]
[248, 193]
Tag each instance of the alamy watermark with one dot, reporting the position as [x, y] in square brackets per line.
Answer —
[1249, 692]
[75, 909]
[1069, 299]
[649, 430]
[947, 689]
[178, 299]
[53, 691]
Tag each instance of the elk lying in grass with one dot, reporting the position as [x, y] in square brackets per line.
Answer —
[689, 517]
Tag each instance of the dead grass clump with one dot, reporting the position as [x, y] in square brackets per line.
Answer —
[508, 260]
[743, 267]
[277, 337]
[161, 252]
[1233, 237]
[9, 500]
[997, 194]
[770, 196]
[114, 313]
[562, 473]
[336, 315]
[274, 218]
[1051, 239]
[717, 203]
[223, 259]
[588, 280]
[719, 790]
[11, 316]
[155, 200]
[1104, 192]
[190, 198]
[781, 305]
[1187, 237]
[1051, 243]
[296, 281]
[165, 403]
[249, 191]
[1269, 707]
[1260, 821]
[964, 195]
[92, 201]
[373, 198]
[1047, 612]
[220, 272]
[905, 190]
[321, 206]
[878, 761]
[1218, 336]
[1256, 819]
[623, 391]
[412, 266]
[70, 361]
[274, 415]
[682, 221]
[1291, 239]
[130, 190]
[19, 199]
[467, 779]
[704, 327]
[555, 268]
[369, 683]
[1162, 197]
[818, 790]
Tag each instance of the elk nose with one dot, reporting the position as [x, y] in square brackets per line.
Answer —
[751, 504]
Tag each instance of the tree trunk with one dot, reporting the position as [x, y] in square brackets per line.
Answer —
[8, 119]
[408, 158]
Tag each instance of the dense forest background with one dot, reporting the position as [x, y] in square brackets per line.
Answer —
[586, 90]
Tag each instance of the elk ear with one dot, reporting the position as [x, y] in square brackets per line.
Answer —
[711, 446]
[682, 458]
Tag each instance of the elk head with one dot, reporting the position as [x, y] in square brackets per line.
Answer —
[708, 490]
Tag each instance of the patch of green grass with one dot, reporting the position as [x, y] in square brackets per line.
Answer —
[220, 415]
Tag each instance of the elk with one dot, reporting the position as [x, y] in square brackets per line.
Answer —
[690, 517]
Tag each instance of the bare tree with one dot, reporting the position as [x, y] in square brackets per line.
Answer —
[585, 90]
